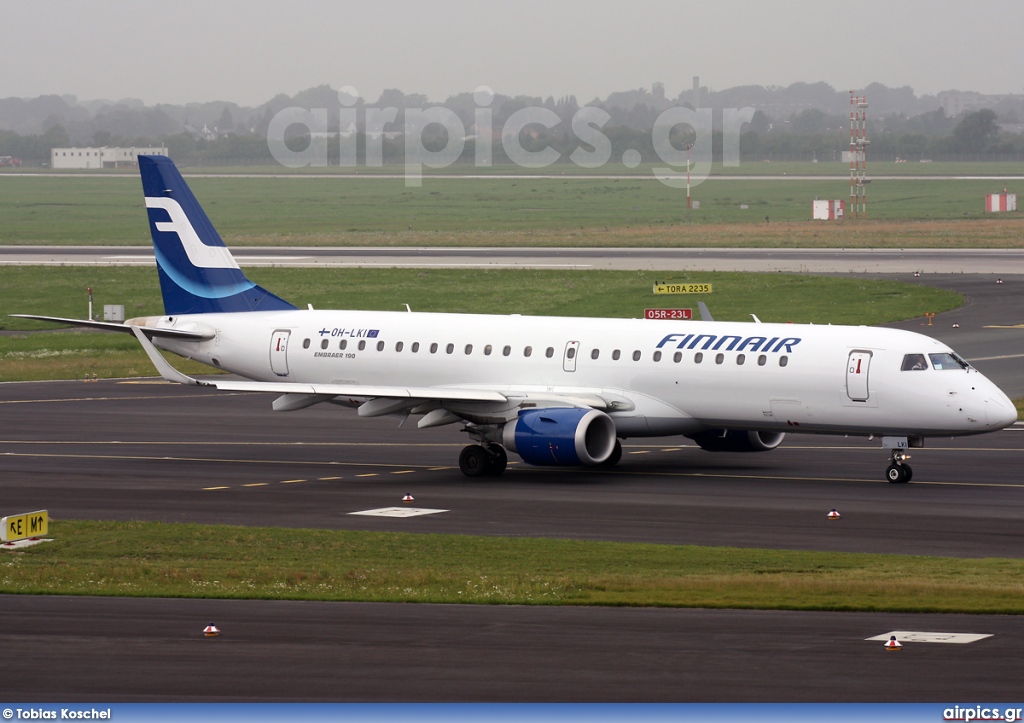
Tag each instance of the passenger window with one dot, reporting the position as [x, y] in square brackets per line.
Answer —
[342, 344]
[380, 346]
[762, 360]
[636, 355]
[719, 358]
[399, 346]
[595, 353]
[528, 351]
[740, 358]
[616, 354]
[487, 350]
[550, 352]
[677, 357]
[571, 352]
[362, 344]
[324, 343]
[305, 343]
[415, 347]
[506, 351]
[469, 349]
[433, 348]
[698, 357]
[449, 349]
[913, 363]
[783, 360]
[657, 356]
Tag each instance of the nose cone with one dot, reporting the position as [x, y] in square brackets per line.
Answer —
[999, 410]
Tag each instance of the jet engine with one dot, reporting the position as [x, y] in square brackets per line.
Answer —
[561, 436]
[737, 440]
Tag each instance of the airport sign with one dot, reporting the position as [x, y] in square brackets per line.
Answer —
[21, 527]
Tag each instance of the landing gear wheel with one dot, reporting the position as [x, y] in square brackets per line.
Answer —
[898, 473]
[498, 460]
[910, 472]
[474, 461]
[614, 457]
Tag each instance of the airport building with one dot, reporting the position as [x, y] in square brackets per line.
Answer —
[64, 158]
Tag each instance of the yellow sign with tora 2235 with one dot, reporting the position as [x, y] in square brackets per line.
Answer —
[669, 287]
[21, 527]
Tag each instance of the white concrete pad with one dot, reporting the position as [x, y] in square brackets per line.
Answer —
[911, 636]
[398, 512]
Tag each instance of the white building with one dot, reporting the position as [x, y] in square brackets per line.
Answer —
[100, 157]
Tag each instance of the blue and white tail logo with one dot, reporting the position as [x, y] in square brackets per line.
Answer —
[198, 275]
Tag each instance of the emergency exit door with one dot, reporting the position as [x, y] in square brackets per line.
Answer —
[572, 348]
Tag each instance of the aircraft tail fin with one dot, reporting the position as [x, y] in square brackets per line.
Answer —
[198, 275]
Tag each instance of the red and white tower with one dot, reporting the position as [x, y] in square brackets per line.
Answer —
[858, 156]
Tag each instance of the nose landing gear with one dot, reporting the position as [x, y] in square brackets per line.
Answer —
[898, 471]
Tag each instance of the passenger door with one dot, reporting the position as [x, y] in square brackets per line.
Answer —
[279, 352]
[857, 375]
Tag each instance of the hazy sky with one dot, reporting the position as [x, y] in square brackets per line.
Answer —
[191, 50]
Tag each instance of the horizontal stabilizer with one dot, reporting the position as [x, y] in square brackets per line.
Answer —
[116, 326]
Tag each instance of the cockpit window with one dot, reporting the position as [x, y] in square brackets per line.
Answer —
[948, 360]
[914, 362]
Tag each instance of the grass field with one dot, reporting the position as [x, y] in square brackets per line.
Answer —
[335, 211]
[176, 560]
[56, 291]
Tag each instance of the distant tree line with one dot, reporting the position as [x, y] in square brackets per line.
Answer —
[224, 133]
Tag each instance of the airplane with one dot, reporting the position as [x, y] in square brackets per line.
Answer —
[553, 390]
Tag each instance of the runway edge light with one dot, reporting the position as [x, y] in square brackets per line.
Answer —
[211, 631]
[833, 515]
[893, 643]
[407, 498]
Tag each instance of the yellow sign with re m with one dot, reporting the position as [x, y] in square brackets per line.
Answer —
[21, 527]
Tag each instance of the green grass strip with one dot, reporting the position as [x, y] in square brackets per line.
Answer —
[148, 559]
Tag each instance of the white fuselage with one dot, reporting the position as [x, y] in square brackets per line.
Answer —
[677, 377]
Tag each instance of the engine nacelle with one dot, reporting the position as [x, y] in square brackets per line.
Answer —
[561, 436]
[737, 440]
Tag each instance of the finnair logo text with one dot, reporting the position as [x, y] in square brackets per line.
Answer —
[729, 342]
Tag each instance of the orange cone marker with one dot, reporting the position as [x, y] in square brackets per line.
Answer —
[211, 631]
[833, 515]
[893, 643]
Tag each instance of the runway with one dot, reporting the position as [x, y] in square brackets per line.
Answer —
[803, 260]
[122, 649]
[143, 449]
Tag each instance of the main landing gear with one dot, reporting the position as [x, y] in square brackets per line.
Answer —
[478, 460]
